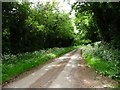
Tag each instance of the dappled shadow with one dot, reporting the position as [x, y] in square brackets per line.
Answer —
[85, 77]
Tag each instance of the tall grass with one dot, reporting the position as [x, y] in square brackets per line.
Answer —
[14, 65]
[104, 59]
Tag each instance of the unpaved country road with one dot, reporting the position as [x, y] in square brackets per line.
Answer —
[67, 71]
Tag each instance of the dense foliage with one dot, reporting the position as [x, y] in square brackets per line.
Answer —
[28, 29]
[104, 59]
[99, 21]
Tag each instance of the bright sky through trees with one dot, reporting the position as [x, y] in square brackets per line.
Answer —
[64, 5]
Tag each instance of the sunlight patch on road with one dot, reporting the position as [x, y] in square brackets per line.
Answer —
[73, 57]
[107, 85]
[65, 57]
[58, 65]
[33, 73]
[73, 66]
[53, 65]
[78, 64]
[68, 78]
[49, 66]
[81, 65]
[86, 81]
[68, 64]
[46, 69]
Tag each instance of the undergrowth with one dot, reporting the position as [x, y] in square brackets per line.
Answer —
[104, 59]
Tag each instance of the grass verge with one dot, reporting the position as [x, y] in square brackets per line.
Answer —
[14, 65]
[103, 59]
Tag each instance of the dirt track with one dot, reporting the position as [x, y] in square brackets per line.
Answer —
[67, 71]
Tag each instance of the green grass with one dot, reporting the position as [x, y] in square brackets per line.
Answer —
[103, 59]
[14, 65]
[102, 66]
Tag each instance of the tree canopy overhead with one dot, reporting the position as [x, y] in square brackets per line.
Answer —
[103, 20]
[27, 29]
